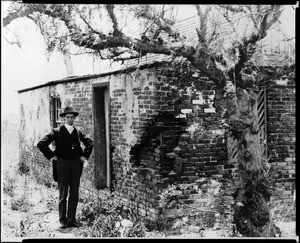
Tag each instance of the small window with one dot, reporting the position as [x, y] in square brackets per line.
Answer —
[56, 110]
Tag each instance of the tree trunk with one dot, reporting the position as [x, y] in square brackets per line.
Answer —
[251, 211]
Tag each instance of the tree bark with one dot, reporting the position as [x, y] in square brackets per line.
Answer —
[252, 214]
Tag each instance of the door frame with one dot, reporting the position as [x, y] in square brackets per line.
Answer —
[96, 86]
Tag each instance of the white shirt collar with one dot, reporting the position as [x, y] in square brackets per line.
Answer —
[69, 128]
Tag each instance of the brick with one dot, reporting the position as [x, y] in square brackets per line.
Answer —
[188, 168]
[194, 159]
[188, 173]
[193, 178]
[200, 164]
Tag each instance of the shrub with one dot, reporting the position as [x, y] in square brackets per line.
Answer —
[104, 226]
[109, 218]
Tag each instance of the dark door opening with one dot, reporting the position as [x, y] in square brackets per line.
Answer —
[101, 136]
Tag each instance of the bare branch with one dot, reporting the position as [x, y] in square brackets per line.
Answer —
[276, 11]
[251, 15]
[202, 30]
[110, 10]
[232, 8]
[235, 32]
[87, 23]
[162, 11]
[18, 13]
[147, 12]
[13, 42]
[202, 55]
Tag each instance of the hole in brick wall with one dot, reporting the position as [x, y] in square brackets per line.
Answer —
[161, 137]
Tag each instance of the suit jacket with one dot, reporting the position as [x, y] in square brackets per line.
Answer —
[67, 145]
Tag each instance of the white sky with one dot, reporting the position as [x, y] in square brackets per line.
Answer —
[27, 67]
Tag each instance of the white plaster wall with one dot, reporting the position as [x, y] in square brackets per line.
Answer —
[130, 107]
[36, 117]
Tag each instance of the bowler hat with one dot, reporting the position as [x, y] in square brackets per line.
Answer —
[69, 110]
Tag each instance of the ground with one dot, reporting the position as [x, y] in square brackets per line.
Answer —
[30, 210]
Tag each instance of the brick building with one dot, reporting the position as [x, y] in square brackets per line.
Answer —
[149, 133]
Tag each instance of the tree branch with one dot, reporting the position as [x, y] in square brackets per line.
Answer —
[202, 30]
[234, 9]
[248, 45]
[147, 12]
[18, 13]
[87, 23]
[199, 55]
[13, 42]
[110, 10]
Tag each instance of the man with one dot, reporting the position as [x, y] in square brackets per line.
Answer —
[70, 160]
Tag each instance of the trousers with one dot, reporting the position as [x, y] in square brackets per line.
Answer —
[68, 175]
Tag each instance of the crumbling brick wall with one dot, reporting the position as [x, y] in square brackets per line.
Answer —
[161, 134]
[281, 130]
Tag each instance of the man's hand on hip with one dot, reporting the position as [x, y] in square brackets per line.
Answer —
[84, 160]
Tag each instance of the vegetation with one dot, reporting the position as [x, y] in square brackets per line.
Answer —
[109, 217]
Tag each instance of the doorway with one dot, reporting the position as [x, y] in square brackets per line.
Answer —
[101, 135]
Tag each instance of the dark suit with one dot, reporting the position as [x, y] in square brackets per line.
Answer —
[69, 166]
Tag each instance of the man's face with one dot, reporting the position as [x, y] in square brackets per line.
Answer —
[69, 119]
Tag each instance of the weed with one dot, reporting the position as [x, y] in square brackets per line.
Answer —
[20, 187]
[23, 168]
[138, 229]
[20, 204]
[283, 212]
[160, 224]
[9, 184]
[51, 204]
[30, 228]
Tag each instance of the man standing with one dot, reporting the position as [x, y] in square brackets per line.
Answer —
[70, 160]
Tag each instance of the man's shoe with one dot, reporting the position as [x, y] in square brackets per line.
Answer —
[74, 224]
[63, 226]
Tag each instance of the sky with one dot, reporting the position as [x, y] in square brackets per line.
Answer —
[30, 66]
